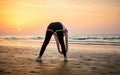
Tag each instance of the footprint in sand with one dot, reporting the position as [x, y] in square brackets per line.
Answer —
[35, 72]
[3, 71]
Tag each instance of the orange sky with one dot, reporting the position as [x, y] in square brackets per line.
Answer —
[79, 16]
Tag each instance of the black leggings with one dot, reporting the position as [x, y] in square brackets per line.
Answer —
[47, 39]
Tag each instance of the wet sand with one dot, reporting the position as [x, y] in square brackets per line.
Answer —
[18, 58]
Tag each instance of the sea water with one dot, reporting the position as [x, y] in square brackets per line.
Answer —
[108, 39]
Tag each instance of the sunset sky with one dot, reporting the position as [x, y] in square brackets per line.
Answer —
[79, 16]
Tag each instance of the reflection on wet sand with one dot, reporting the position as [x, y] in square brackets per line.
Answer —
[58, 68]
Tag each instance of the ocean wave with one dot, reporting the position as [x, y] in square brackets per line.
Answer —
[36, 38]
[103, 39]
[17, 38]
[113, 39]
[96, 38]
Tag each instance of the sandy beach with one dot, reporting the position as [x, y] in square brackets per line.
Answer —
[18, 58]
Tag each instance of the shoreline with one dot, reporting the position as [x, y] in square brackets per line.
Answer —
[10, 42]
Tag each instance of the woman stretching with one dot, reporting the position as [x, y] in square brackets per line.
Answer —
[59, 31]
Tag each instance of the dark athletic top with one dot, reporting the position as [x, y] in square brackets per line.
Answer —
[56, 26]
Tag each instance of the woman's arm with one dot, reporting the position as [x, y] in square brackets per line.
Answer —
[57, 42]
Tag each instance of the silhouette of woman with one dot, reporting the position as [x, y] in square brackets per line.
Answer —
[59, 31]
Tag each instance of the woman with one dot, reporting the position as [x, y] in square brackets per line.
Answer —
[59, 31]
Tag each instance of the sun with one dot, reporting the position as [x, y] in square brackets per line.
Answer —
[18, 29]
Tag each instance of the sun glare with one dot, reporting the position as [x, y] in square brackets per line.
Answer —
[18, 29]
